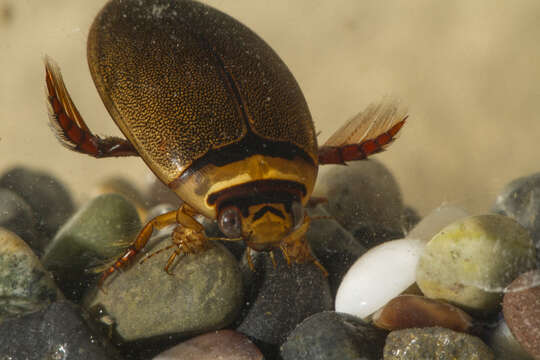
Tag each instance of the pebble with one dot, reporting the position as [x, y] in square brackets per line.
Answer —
[521, 308]
[437, 219]
[363, 195]
[56, 332]
[16, 215]
[25, 286]
[279, 298]
[434, 343]
[48, 198]
[97, 233]
[504, 344]
[380, 275]
[470, 262]
[413, 311]
[222, 345]
[331, 335]
[122, 186]
[203, 293]
[520, 200]
[334, 246]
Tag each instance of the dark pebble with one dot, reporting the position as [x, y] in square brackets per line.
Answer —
[16, 215]
[57, 332]
[279, 298]
[520, 200]
[48, 198]
[331, 335]
[333, 245]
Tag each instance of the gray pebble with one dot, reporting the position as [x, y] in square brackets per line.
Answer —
[203, 293]
[25, 286]
[363, 195]
[16, 215]
[48, 198]
[331, 335]
[434, 343]
[97, 233]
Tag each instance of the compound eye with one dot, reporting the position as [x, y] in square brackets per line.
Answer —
[230, 222]
[297, 211]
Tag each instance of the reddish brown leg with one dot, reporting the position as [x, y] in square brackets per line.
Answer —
[351, 152]
[70, 128]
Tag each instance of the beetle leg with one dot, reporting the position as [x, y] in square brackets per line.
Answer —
[249, 259]
[158, 222]
[295, 247]
[369, 132]
[70, 128]
[273, 259]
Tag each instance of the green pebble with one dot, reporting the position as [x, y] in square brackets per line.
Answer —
[434, 343]
[97, 233]
[470, 262]
[203, 293]
[25, 286]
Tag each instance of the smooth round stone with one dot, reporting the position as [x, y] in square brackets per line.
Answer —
[47, 197]
[363, 194]
[330, 335]
[380, 275]
[432, 223]
[470, 262]
[520, 200]
[413, 311]
[124, 187]
[16, 215]
[58, 332]
[222, 345]
[434, 343]
[334, 246]
[279, 298]
[203, 293]
[504, 344]
[25, 286]
[521, 308]
[96, 234]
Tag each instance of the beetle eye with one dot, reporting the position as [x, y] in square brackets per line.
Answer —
[230, 223]
[297, 211]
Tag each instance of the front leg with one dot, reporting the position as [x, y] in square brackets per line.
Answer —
[367, 133]
[70, 128]
[188, 229]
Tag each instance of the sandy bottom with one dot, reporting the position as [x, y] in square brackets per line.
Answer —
[468, 71]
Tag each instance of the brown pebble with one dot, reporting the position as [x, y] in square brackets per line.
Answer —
[413, 311]
[222, 344]
[521, 309]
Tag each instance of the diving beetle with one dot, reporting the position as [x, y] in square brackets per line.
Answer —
[217, 116]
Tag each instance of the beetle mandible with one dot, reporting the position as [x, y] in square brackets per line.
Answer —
[217, 116]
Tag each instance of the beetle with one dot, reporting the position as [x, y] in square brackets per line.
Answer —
[218, 117]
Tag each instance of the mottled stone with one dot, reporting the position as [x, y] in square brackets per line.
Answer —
[25, 286]
[98, 232]
[334, 246]
[435, 221]
[434, 343]
[16, 215]
[203, 293]
[470, 262]
[520, 200]
[412, 311]
[279, 298]
[222, 345]
[521, 308]
[331, 335]
[503, 343]
[363, 195]
[47, 197]
[56, 332]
